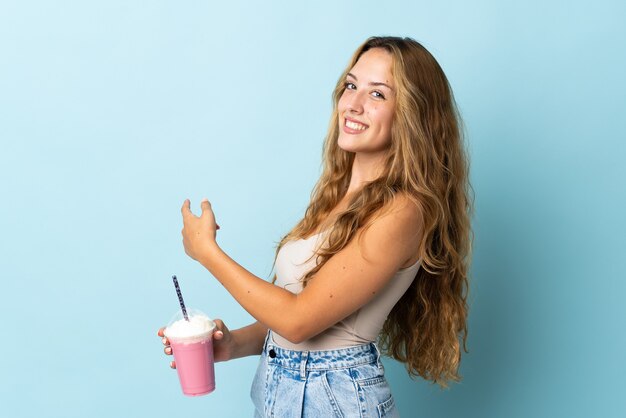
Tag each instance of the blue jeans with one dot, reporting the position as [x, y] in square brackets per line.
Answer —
[342, 383]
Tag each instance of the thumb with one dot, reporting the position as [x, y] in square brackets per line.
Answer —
[220, 329]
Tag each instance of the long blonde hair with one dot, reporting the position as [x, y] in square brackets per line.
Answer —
[426, 162]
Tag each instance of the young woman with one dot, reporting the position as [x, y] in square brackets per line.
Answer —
[381, 255]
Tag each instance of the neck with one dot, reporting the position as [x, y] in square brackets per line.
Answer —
[365, 168]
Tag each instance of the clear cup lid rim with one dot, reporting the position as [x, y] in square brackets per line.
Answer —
[191, 312]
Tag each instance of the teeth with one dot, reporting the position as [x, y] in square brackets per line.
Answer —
[355, 126]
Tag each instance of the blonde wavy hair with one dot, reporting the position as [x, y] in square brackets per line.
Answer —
[426, 162]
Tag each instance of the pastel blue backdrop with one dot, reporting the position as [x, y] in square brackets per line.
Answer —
[113, 112]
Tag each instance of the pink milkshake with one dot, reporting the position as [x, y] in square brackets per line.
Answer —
[192, 346]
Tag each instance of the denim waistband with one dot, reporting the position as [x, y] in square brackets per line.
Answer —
[340, 358]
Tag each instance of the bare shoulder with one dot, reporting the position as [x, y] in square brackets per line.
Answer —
[406, 209]
[402, 216]
[396, 229]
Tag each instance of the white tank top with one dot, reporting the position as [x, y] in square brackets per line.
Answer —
[362, 326]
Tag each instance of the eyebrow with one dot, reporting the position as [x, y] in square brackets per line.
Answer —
[373, 83]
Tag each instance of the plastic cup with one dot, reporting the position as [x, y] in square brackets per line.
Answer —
[192, 347]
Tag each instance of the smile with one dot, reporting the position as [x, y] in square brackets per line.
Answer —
[355, 126]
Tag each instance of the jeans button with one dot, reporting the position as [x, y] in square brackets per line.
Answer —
[272, 353]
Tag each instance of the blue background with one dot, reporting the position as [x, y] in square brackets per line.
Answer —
[113, 112]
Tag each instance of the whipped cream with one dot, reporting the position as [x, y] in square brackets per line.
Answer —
[198, 326]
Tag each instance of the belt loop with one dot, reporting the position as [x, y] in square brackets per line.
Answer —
[303, 361]
[264, 350]
[267, 337]
[378, 362]
[377, 352]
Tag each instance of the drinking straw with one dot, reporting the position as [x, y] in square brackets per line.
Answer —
[180, 298]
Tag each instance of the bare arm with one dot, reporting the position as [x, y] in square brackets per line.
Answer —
[347, 281]
[248, 341]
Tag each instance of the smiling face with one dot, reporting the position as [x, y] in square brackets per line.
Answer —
[366, 107]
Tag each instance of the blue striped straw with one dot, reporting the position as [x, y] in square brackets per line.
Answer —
[180, 298]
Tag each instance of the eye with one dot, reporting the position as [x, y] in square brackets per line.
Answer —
[349, 86]
[378, 94]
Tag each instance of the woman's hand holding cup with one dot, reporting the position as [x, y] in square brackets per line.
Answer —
[223, 343]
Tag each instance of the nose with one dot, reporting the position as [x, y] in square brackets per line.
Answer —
[355, 103]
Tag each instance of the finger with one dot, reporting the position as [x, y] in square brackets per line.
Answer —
[160, 332]
[218, 334]
[168, 350]
[186, 208]
[173, 364]
[219, 324]
[165, 341]
[205, 205]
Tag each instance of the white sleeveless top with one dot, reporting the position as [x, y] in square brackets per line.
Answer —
[362, 326]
